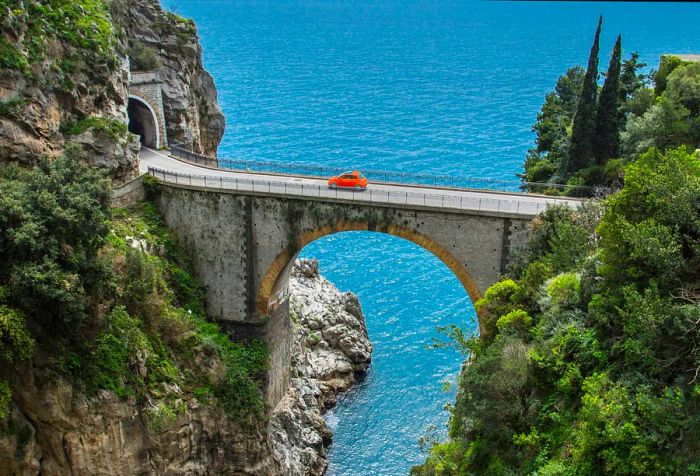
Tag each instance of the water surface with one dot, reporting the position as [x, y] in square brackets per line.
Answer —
[406, 85]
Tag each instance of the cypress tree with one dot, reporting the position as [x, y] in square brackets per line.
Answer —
[583, 129]
[607, 138]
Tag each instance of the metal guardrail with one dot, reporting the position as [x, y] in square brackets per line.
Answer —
[442, 201]
[377, 176]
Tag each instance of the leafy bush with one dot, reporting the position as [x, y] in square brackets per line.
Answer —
[592, 366]
[143, 58]
[161, 417]
[16, 343]
[5, 400]
[11, 107]
[53, 224]
[112, 127]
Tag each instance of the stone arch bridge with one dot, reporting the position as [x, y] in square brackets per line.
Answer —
[245, 230]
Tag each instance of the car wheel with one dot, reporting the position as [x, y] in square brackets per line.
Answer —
[333, 185]
[358, 188]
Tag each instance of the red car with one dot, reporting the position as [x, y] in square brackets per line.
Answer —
[352, 179]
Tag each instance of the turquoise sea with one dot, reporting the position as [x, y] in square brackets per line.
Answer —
[406, 85]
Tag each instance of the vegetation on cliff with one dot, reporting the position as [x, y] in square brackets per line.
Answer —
[104, 297]
[632, 112]
[590, 362]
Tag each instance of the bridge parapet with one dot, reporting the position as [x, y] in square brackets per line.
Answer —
[497, 206]
[378, 176]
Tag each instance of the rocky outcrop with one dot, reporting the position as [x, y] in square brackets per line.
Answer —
[330, 347]
[192, 113]
[55, 76]
[56, 430]
[48, 83]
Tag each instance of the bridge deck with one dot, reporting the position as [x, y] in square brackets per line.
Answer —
[174, 171]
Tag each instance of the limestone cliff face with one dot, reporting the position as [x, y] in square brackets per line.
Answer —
[192, 113]
[58, 431]
[56, 76]
[330, 348]
[48, 82]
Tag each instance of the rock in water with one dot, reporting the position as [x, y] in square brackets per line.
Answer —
[330, 346]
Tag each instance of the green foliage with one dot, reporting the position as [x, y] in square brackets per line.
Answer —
[668, 119]
[668, 64]
[583, 128]
[12, 107]
[111, 303]
[607, 134]
[517, 322]
[16, 343]
[592, 366]
[159, 288]
[5, 400]
[632, 78]
[500, 299]
[143, 58]
[651, 226]
[52, 226]
[161, 417]
[11, 57]
[113, 128]
[553, 127]
[665, 124]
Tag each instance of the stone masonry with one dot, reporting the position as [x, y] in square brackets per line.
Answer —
[146, 87]
[244, 245]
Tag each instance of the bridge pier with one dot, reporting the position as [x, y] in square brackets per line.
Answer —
[243, 245]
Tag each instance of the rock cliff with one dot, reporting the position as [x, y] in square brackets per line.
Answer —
[192, 113]
[64, 69]
[330, 347]
[57, 430]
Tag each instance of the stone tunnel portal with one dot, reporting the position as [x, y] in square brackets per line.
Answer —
[142, 122]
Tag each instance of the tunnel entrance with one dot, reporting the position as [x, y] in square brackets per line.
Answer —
[142, 122]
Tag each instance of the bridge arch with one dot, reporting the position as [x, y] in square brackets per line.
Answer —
[143, 121]
[274, 284]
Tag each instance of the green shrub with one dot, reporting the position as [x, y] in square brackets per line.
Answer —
[5, 400]
[517, 321]
[11, 57]
[12, 107]
[161, 417]
[16, 343]
[112, 127]
[53, 224]
[143, 58]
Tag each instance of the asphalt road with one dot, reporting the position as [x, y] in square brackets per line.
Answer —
[162, 161]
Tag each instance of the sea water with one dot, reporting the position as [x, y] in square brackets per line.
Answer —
[415, 86]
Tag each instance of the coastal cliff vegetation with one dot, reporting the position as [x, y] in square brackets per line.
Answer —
[586, 133]
[590, 362]
[105, 299]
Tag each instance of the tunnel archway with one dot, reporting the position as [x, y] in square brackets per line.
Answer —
[143, 121]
